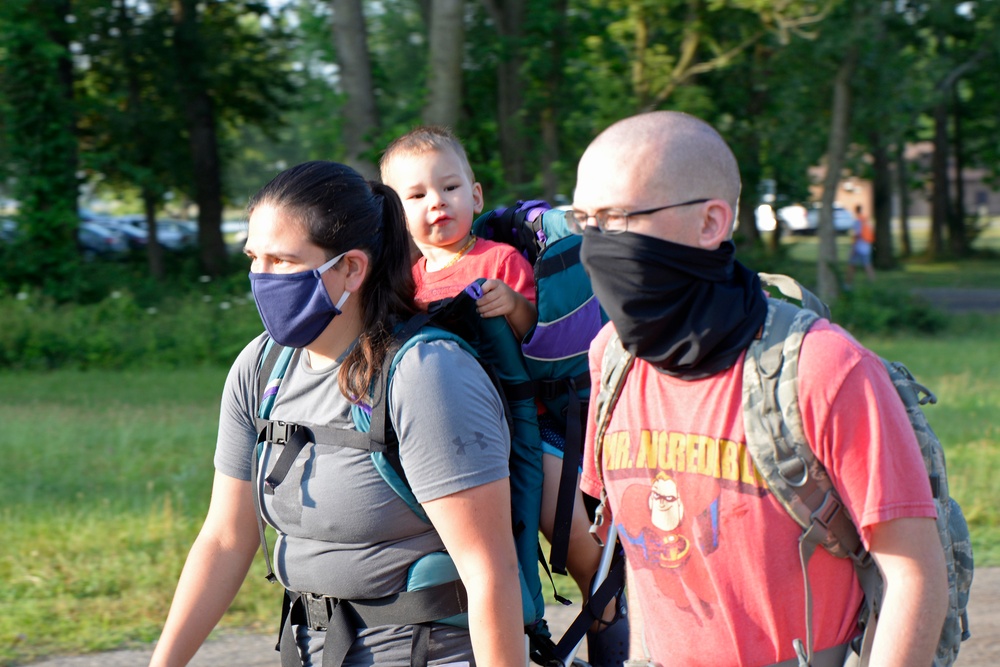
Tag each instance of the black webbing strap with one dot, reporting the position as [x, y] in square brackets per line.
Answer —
[295, 437]
[518, 391]
[593, 609]
[340, 619]
[576, 414]
[295, 443]
[555, 592]
[420, 647]
[548, 266]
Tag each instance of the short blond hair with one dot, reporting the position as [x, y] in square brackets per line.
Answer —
[425, 139]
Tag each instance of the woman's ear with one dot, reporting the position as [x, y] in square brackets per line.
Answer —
[717, 225]
[355, 269]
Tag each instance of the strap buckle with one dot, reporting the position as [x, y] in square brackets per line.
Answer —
[318, 610]
[827, 512]
[279, 433]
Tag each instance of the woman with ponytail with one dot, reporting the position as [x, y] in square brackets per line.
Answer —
[330, 273]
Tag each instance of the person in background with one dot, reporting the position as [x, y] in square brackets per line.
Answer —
[330, 272]
[862, 238]
[710, 553]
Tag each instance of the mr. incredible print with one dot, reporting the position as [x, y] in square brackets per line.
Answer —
[669, 512]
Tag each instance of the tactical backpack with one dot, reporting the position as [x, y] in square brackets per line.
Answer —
[434, 591]
[782, 455]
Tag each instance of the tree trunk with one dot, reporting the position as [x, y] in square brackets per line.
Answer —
[360, 115]
[553, 92]
[903, 193]
[508, 17]
[199, 112]
[154, 250]
[882, 203]
[940, 199]
[826, 266]
[748, 215]
[958, 240]
[550, 154]
[447, 39]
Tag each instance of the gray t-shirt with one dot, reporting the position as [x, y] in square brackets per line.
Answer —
[342, 530]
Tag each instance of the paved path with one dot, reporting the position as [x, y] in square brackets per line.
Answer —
[954, 300]
[246, 650]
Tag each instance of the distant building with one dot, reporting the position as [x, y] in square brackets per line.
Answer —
[980, 196]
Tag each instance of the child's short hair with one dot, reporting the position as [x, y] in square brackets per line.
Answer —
[422, 140]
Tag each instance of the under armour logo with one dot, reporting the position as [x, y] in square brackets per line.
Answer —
[460, 446]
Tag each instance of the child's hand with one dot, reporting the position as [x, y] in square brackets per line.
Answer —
[497, 299]
[500, 299]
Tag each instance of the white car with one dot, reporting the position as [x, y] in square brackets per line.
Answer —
[797, 219]
[172, 234]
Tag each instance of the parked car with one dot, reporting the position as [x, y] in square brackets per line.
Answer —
[96, 240]
[797, 219]
[8, 231]
[172, 234]
[764, 215]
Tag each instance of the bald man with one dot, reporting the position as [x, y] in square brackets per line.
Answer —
[713, 562]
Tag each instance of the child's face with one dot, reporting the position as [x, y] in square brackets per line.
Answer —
[438, 196]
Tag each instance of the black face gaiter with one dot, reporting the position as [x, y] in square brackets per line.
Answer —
[688, 312]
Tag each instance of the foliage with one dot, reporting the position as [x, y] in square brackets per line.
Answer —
[205, 326]
[116, 469]
[36, 84]
[871, 309]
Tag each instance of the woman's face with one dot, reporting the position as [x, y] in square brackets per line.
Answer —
[278, 243]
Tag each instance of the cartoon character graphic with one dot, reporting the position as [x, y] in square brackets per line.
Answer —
[674, 526]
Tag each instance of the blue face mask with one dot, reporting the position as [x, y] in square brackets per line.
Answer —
[295, 307]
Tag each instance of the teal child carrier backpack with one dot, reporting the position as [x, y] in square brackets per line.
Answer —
[555, 350]
[782, 455]
[434, 592]
[556, 355]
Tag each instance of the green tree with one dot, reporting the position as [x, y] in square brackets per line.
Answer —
[226, 69]
[36, 80]
[130, 121]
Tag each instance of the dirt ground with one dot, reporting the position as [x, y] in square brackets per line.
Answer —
[244, 650]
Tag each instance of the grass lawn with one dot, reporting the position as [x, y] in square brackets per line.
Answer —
[109, 475]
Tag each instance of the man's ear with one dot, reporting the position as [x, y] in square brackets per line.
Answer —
[717, 225]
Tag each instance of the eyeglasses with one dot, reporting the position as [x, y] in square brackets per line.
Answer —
[614, 220]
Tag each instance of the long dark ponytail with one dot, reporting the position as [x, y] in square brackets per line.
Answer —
[342, 211]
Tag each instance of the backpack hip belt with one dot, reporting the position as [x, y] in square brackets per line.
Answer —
[340, 619]
[403, 608]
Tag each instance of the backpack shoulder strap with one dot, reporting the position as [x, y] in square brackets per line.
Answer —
[273, 364]
[615, 366]
[782, 455]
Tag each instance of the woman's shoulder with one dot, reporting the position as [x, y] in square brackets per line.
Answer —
[434, 347]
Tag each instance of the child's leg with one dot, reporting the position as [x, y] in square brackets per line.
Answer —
[584, 553]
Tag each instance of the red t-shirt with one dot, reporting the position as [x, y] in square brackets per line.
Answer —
[714, 555]
[486, 259]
